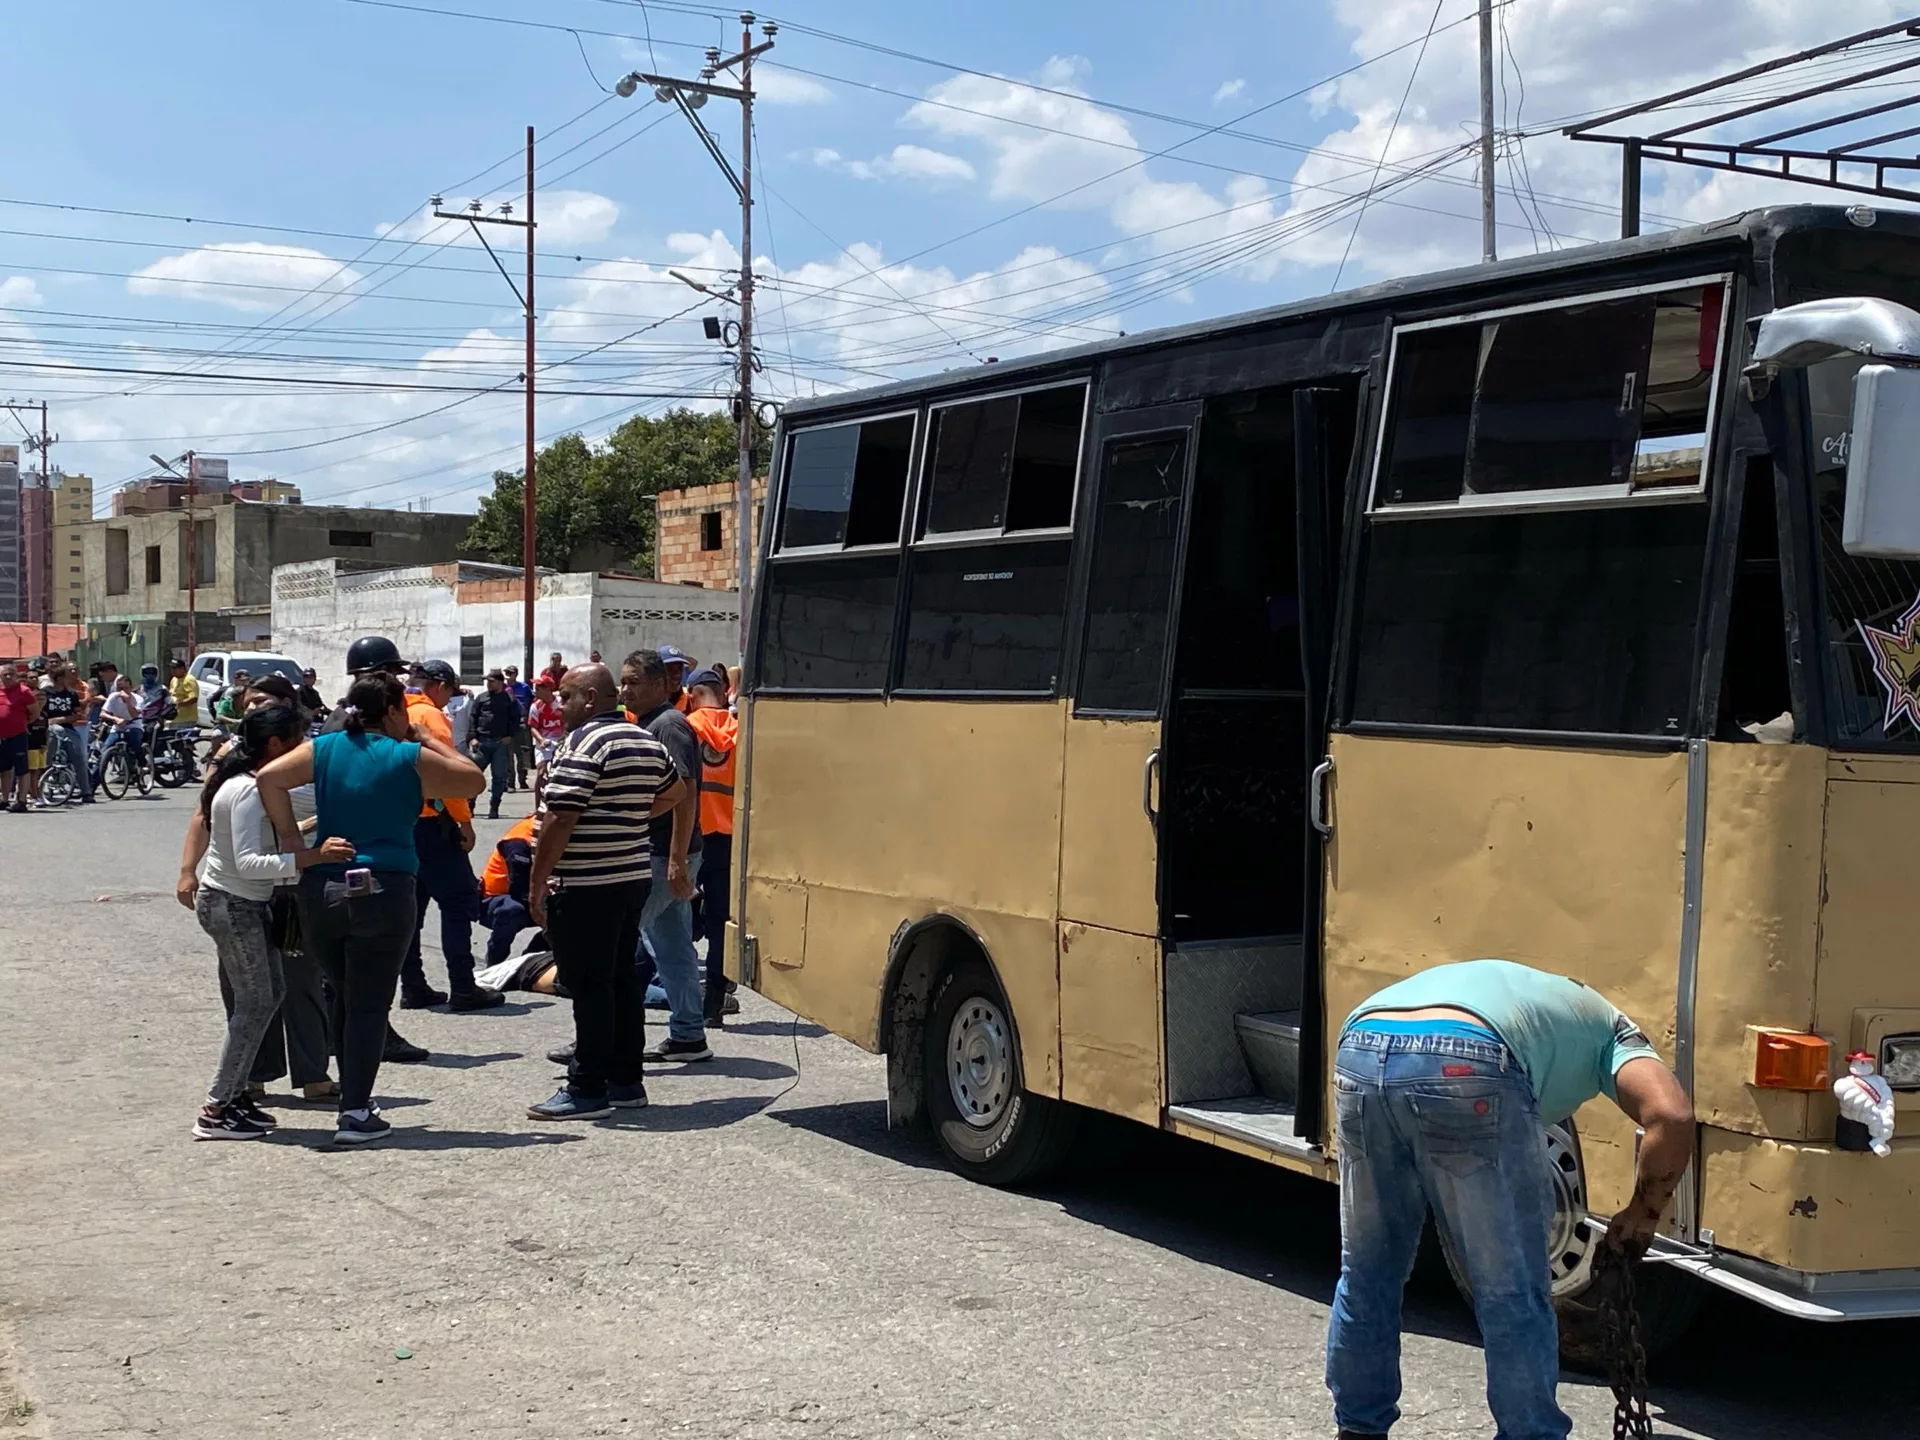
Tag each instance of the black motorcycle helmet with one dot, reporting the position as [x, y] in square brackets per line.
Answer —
[373, 652]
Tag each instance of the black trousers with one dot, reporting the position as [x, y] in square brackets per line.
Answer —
[360, 942]
[710, 922]
[594, 930]
[446, 879]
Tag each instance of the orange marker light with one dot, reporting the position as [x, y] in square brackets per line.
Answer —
[1789, 1060]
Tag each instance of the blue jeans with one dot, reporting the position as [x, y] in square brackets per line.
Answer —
[666, 934]
[133, 736]
[506, 917]
[1448, 1124]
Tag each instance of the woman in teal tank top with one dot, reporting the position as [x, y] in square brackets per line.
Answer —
[370, 780]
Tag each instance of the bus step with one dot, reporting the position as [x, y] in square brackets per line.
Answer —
[1271, 1043]
[1252, 1118]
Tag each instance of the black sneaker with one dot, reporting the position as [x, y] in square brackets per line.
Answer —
[478, 998]
[229, 1122]
[561, 1054]
[675, 1052]
[250, 1107]
[627, 1097]
[423, 999]
[401, 1051]
[350, 1131]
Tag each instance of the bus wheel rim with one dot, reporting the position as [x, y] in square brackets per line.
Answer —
[1573, 1241]
[980, 1063]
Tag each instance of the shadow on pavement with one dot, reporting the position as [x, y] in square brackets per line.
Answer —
[424, 1137]
[710, 1114]
[732, 1067]
[439, 1060]
[806, 1030]
[863, 1124]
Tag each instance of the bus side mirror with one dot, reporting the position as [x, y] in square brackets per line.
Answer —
[1882, 452]
[1883, 465]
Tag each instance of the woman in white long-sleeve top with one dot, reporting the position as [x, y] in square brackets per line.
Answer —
[242, 867]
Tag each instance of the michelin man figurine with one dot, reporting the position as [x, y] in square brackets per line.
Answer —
[1866, 1102]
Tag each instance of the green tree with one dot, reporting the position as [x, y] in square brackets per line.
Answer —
[597, 500]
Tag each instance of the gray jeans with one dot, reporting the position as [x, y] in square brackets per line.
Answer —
[251, 966]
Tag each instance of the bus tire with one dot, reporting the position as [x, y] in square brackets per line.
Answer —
[991, 1128]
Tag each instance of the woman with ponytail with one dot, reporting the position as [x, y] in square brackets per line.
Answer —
[357, 909]
[236, 885]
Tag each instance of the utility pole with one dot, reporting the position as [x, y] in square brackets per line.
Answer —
[1488, 249]
[690, 96]
[473, 217]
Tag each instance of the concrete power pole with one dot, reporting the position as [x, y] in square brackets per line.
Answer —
[473, 216]
[690, 96]
[1488, 249]
[743, 523]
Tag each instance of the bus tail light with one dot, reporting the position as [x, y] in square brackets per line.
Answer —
[1790, 1060]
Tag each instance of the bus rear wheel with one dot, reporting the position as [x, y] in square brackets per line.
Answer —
[991, 1128]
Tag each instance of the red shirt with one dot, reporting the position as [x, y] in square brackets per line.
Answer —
[547, 721]
[15, 699]
[555, 673]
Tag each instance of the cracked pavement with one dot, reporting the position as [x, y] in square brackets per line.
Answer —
[754, 1256]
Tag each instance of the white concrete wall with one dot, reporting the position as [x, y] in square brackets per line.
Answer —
[645, 614]
[319, 611]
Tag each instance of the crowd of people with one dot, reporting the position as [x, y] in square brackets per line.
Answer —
[312, 859]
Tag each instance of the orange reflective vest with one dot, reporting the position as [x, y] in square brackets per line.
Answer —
[493, 880]
[718, 732]
[427, 715]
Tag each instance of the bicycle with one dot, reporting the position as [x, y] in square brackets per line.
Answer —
[121, 769]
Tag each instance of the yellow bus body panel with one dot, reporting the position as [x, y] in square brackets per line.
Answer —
[1570, 860]
[1110, 1021]
[879, 814]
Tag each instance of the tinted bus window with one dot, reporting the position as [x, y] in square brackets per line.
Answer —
[829, 623]
[987, 618]
[1579, 621]
[1005, 464]
[846, 485]
[1130, 579]
[1609, 394]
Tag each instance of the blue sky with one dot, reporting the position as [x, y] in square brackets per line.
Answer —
[914, 216]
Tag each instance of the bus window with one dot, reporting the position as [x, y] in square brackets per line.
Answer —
[846, 485]
[1542, 620]
[987, 619]
[829, 623]
[1872, 606]
[1130, 579]
[1602, 397]
[1005, 464]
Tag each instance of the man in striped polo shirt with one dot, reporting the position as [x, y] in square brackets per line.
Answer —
[608, 779]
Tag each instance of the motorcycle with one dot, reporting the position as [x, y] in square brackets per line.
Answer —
[175, 758]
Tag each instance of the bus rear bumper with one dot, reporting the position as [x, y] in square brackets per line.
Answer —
[1842, 1295]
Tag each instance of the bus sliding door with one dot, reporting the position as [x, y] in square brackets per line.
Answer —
[1110, 1035]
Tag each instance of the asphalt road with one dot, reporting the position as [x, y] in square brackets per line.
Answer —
[754, 1256]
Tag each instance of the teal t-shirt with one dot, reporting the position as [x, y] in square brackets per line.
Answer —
[366, 789]
[1566, 1036]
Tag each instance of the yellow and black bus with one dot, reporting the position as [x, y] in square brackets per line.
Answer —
[1118, 718]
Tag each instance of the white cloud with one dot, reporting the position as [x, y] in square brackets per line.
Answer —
[775, 86]
[18, 290]
[242, 275]
[904, 162]
[567, 217]
[1228, 89]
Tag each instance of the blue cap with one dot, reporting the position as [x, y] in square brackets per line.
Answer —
[706, 677]
[674, 655]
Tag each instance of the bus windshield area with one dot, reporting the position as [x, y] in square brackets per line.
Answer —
[1870, 608]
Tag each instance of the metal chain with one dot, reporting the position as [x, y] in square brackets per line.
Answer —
[1613, 1276]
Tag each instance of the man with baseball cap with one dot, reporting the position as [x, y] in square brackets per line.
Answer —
[678, 663]
[442, 837]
